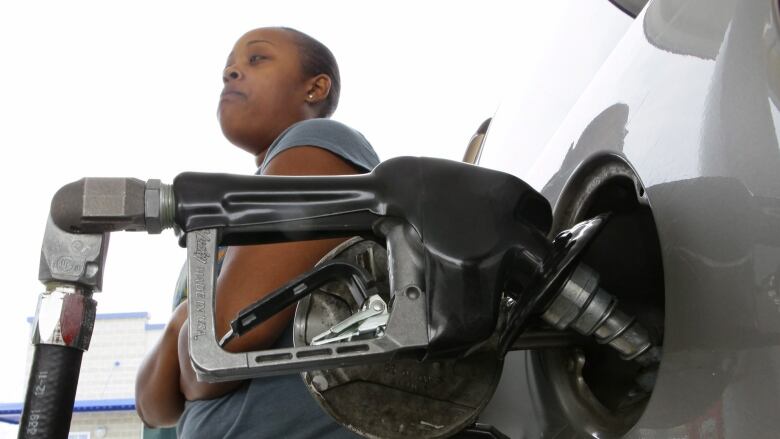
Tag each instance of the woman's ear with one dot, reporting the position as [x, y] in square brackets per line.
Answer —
[318, 89]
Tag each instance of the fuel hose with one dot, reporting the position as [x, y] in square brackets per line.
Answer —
[51, 392]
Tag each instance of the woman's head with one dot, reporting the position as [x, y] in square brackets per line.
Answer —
[273, 78]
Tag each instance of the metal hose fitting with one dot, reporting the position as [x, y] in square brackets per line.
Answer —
[65, 316]
[159, 206]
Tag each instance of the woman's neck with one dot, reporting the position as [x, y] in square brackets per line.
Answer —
[309, 114]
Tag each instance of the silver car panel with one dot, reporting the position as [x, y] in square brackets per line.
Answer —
[689, 98]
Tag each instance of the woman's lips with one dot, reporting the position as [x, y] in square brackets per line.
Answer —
[229, 94]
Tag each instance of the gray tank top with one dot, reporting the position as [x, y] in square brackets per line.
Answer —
[280, 406]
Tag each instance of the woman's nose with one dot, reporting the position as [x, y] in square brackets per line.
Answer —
[230, 74]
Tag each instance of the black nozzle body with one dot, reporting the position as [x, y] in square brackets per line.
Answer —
[473, 223]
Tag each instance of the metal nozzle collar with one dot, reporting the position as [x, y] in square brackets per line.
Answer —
[159, 206]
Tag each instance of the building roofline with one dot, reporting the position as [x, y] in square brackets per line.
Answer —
[10, 412]
[113, 316]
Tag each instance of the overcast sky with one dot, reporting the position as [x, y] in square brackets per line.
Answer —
[95, 89]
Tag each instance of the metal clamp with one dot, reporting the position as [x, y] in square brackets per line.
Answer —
[371, 319]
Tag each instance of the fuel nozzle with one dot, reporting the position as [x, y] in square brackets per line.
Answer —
[99, 205]
[588, 309]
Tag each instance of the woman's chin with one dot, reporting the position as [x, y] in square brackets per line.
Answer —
[226, 112]
[240, 140]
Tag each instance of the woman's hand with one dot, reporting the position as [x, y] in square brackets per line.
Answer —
[158, 401]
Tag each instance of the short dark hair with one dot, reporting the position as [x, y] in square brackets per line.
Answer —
[316, 58]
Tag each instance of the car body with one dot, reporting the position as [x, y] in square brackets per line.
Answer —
[688, 104]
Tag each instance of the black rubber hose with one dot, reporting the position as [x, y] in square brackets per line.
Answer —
[51, 392]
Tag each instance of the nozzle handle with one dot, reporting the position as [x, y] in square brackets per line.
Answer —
[252, 209]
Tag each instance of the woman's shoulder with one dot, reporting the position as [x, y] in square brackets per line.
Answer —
[322, 124]
[328, 134]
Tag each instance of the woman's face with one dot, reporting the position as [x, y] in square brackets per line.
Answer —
[264, 92]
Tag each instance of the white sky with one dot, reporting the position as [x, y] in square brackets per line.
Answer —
[98, 89]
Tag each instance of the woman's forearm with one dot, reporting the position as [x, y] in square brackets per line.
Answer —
[191, 388]
[158, 399]
[166, 379]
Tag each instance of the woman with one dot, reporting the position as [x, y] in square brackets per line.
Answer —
[280, 85]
